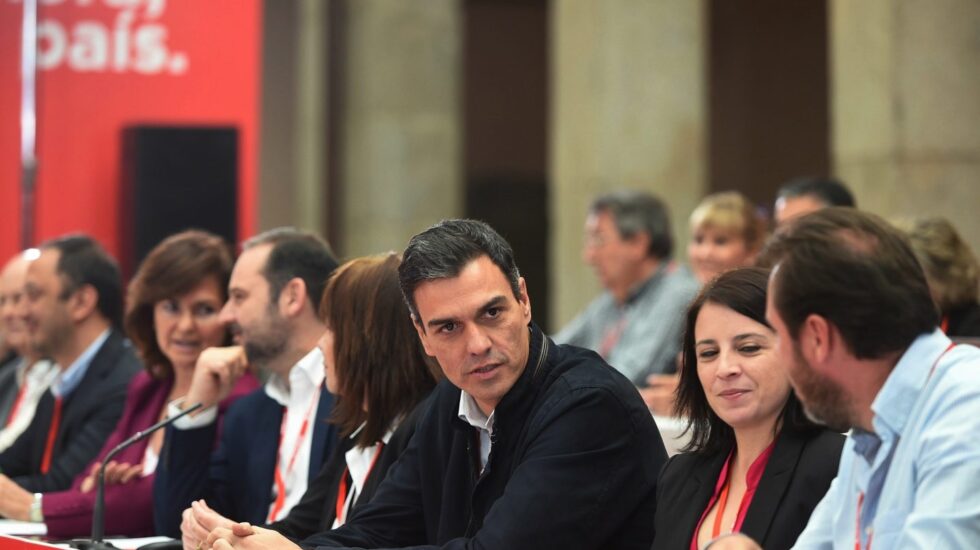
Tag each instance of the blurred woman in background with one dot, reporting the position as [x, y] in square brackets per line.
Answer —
[726, 232]
[172, 315]
[376, 367]
[951, 271]
[754, 464]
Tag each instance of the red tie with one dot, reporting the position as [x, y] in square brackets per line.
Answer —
[52, 435]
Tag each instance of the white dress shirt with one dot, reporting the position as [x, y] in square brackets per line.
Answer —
[300, 398]
[470, 413]
[359, 462]
[33, 380]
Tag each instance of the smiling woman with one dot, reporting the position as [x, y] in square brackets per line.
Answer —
[726, 233]
[171, 316]
[755, 464]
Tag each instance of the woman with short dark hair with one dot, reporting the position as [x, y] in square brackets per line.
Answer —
[754, 464]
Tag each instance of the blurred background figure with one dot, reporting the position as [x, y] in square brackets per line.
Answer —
[804, 195]
[726, 232]
[380, 389]
[24, 377]
[172, 315]
[951, 271]
[635, 323]
[754, 464]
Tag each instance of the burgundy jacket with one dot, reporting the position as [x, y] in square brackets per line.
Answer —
[129, 507]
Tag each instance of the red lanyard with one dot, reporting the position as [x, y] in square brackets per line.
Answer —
[611, 338]
[857, 527]
[52, 435]
[278, 477]
[17, 402]
[722, 502]
[342, 490]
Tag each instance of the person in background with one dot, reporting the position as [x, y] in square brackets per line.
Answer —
[172, 316]
[952, 273]
[381, 392]
[273, 442]
[726, 233]
[754, 464]
[858, 334]
[635, 323]
[25, 377]
[804, 195]
[74, 306]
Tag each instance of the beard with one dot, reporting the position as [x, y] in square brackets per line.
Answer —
[265, 342]
[824, 401]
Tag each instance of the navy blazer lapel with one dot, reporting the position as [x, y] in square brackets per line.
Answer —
[262, 449]
[772, 487]
[702, 486]
[324, 434]
[688, 503]
[89, 387]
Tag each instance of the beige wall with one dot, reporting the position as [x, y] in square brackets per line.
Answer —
[400, 136]
[628, 110]
[906, 107]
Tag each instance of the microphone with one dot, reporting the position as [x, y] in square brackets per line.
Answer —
[98, 512]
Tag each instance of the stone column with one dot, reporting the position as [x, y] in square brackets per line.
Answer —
[293, 135]
[906, 107]
[399, 143]
[628, 110]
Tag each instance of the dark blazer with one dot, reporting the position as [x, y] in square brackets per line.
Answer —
[573, 464]
[88, 416]
[316, 511]
[8, 386]
[129, 506]
[237, 478]
[798, 474]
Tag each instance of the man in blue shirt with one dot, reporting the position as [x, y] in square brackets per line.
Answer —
[858, 334]
[74, 304]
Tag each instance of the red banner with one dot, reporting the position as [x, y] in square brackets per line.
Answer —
[106, 64]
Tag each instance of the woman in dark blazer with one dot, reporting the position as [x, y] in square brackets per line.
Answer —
[755, 464]
[376, 367]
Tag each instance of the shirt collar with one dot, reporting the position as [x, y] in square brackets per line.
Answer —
[68, 380]
[651, 281]
[470, 413]
[894, 402]
[306, 375]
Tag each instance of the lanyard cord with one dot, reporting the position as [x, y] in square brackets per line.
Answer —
[278, 477]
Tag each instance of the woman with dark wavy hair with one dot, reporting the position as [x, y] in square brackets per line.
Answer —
[171, 315]
[376, 367]
[755, 463]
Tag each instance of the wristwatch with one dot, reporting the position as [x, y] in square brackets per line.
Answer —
[36, 515]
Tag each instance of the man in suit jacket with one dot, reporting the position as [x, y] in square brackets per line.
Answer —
[274, 441]
[74, 301]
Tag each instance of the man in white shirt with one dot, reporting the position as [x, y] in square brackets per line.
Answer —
[273, 441]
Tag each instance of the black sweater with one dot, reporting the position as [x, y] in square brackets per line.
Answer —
[573, 464]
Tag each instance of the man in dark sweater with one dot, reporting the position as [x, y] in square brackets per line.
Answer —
[527, 444]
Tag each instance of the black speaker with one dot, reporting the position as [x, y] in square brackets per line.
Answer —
[176, 178]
